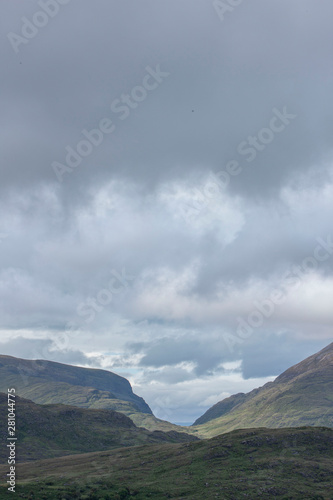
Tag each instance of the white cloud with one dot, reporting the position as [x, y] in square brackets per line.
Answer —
[204, 207]
[189, 399]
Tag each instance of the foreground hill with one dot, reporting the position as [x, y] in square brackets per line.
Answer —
[55, 430]
[254, 463]
[302, 395]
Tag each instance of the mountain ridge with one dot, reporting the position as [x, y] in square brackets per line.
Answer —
[301, 395]
[49, 382]
[27, 375]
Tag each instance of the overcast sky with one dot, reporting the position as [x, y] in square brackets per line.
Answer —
[167, 190]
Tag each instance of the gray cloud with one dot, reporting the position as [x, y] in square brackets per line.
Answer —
[144, 199]
[263, 355]
[28, 348]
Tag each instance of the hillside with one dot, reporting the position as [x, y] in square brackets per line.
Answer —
[255, 463]
[55, 430]
[47, 382]
[302, 395]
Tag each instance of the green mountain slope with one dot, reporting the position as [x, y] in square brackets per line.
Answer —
[255, 463]
[47, 382]
[46, 431]
[302, 395]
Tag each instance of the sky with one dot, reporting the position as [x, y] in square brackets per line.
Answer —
[166, 191]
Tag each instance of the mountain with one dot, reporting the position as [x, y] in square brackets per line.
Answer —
[47, 431]
[48, 382]
[302, 395]
[254, 463]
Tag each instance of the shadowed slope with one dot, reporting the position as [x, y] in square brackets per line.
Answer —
[255, 463]
[45, 431]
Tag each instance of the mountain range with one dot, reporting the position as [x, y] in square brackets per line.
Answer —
[300, 396]
[77, 437]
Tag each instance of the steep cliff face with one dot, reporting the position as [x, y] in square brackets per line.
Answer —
[47, 382]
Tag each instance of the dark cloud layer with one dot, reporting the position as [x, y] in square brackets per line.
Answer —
[207, 177]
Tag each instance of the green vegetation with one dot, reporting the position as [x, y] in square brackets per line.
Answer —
[47, 383]
[152, 423]
[133, 463]
[56, 430]
[301, 396]
[286, 464]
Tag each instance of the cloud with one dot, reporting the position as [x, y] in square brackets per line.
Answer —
[27, 348]
[191, 398]
[216, 184]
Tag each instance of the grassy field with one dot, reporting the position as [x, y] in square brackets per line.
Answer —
[251, 464]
